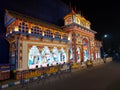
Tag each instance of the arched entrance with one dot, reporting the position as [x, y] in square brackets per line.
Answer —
[46, 56]
[78, 55]
[85, 49]
[92, 54]
[34, 59]
[55, 56]
[70, 55]
[62, 56]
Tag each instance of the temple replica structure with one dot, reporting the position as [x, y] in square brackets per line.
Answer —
[36, 44]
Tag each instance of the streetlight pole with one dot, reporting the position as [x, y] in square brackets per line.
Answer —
[105, 36]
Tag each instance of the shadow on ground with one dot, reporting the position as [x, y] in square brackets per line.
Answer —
[114, 86]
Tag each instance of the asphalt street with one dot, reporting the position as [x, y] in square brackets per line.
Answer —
[102, 77]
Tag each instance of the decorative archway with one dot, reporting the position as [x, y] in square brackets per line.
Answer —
[55, 56]
[92, 54]
[62, 56]
[78, 55]
[85, 49]
[34, 58]
[46, 56]
[71, 55]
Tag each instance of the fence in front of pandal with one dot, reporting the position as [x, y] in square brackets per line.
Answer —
[54, 70]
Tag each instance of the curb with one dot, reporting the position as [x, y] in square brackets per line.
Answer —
[19, 82]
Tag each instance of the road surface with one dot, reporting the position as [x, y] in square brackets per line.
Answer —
[104, 77]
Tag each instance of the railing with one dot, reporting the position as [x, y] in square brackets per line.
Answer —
[4, 72]
[25, 74]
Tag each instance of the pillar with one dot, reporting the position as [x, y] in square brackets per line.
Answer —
[74, 46]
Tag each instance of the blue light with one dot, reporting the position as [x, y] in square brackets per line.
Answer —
[105, 35]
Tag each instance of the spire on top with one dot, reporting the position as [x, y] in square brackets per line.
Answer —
[72, 11]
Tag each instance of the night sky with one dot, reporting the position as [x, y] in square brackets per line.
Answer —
[104, 16]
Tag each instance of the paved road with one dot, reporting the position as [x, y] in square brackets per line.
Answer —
[104, 77]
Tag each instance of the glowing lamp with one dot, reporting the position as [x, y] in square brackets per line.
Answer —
[68, 38]
[43, 34]
[16, 28]
[29, 31]
[61, 37]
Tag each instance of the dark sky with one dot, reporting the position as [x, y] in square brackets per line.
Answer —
[103, 15]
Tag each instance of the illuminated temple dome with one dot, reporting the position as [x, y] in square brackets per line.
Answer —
[77, 18]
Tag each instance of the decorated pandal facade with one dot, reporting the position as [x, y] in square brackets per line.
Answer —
[35, 44]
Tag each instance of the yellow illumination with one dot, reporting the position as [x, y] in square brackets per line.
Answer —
[43, 34]
[16, 28]
[29, 31]
[10, 31]
[67, 16]
[61, 37]
[68, 38]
